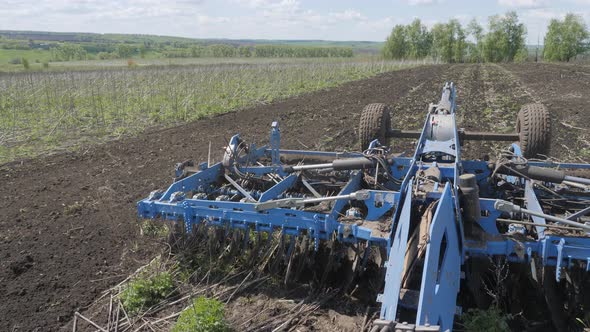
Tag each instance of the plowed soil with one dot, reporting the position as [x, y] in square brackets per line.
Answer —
[67, 221]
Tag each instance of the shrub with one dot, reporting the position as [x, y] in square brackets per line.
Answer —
[204, 315]
[490, 320]
[103, 55]
[145, 292]
[154, 228]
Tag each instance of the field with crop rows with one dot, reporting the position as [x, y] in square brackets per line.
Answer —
[47, 111]
[67, 224]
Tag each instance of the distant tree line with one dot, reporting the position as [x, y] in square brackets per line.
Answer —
[503, 41]
[261, 51]
[71, 51]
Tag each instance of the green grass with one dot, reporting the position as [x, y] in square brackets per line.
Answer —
[43, 112]
[154, 228]
[490, 320]
[146, 291]
[204, 315]
[35, 57]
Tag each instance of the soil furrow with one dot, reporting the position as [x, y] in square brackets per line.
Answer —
[565, 93]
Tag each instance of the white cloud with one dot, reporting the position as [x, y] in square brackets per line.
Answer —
[206, 20]
[543, 14]
[129, 9]
[288, 16]
[348, 15]
[423, 2]
[380, 25]
[522, 3]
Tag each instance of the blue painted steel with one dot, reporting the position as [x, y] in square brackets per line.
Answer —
[243, 215]
[442, 270]
[379, 203]
[353, 185]
[275, 143]
[279, 188]
[488, 219]
[200, 181]
[559, 165]
[395, 263]
[438, 146]
[532, 203]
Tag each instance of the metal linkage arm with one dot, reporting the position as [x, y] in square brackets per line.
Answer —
[505, 206]
[541, 174]
[295, 202]
[337, 165]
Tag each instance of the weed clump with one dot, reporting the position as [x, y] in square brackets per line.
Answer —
[204, 315]
[154, 228]
[490, 320]
[145, 292]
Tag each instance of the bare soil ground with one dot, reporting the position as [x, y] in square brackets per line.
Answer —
[67, 221]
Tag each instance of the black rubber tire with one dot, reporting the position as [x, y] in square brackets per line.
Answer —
[374, 124]
[533, 126]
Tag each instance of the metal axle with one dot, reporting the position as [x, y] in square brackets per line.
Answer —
[463, 135]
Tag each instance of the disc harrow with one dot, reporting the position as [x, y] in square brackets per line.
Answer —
[409, 230]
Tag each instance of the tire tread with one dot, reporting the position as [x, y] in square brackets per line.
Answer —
[534, 129]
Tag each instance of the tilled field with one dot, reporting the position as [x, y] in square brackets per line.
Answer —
[67, 222]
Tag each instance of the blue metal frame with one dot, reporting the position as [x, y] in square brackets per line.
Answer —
[442, 262]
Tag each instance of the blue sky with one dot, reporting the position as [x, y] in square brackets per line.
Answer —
[270, 19]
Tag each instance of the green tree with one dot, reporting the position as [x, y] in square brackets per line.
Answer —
[67, 52]
[125, 51]
[197, 51]
[396, 44]
[448, 41]
[475, 49]
[222, 50]
[565, 39]
[419, 40]
[516, 33]
[244, 51]
[505, 38]
[459, 44]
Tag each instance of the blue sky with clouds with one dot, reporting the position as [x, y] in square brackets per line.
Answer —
[270, 19]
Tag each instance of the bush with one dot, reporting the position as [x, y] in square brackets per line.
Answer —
[204, 315]
[491, 320]
[154, 228]
[103, 55]
[522, 55]
[145, 292]
[15, 61]
[25, 63]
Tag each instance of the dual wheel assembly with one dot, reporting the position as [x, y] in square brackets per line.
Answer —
[533, 126]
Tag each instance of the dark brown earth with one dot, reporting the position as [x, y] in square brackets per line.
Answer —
[67, 221]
